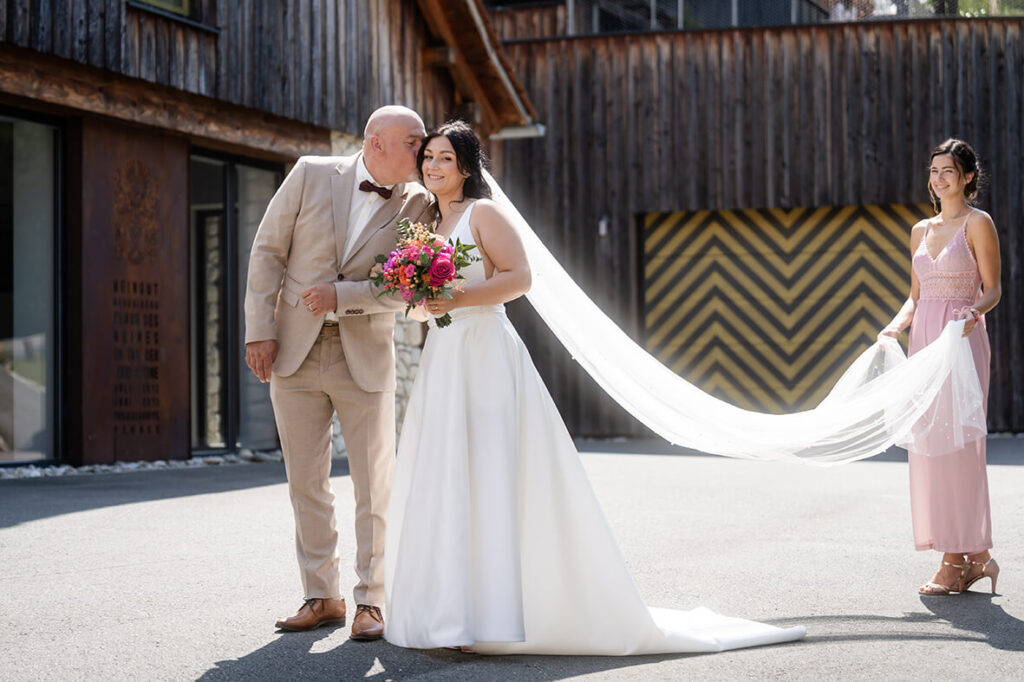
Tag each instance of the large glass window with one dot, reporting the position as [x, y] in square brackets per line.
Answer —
[28, 214]
[230, 407]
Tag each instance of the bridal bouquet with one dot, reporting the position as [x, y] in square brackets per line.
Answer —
[422, 266]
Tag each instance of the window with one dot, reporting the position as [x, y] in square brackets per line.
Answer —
[199, 14]
[177, 6]
[28, 219]
[230, 407]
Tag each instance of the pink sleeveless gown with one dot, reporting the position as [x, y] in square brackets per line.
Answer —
[949, 493]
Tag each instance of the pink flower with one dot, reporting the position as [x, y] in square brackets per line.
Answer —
[406, 295]
[441, 271]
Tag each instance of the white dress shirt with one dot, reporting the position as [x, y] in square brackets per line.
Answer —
[360, 209]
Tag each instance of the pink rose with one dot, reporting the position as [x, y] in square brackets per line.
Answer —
[441, 271]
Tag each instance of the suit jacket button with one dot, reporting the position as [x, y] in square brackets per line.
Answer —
[341, 276]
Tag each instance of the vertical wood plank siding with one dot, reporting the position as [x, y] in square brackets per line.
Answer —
[758, 118]
[512, 23]
[318, 61]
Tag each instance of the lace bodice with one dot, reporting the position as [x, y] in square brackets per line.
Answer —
[952, 274]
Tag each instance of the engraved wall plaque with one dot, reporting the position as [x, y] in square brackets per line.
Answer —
[129, 379]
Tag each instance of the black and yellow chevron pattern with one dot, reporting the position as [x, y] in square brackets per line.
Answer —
[766, 308]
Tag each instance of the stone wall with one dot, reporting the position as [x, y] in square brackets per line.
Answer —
[408, 342]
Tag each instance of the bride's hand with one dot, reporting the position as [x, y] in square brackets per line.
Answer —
[440, 306]
[892, 333]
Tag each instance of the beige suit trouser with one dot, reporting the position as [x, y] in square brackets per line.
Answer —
[304, 404]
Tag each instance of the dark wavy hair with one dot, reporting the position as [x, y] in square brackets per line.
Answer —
[966, 161]
[469, 155]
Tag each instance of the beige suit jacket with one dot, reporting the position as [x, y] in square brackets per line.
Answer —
[300, 243]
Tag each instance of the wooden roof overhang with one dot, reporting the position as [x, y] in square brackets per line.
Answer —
[65, 87]
[473, 55]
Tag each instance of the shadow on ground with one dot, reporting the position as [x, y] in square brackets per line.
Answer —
[1002, 450]
[972, 615]
[291, 656]
[24, 500]
[975, 612]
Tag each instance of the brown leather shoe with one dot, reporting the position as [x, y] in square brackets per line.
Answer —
[314, 613]
[368, 624]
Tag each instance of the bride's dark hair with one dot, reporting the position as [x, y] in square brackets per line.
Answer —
[469, 155]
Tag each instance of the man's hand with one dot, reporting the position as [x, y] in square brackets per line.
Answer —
[260, 356]
[320, 298]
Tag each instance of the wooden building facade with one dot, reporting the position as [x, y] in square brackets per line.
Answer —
[696, 182]
[139, 144]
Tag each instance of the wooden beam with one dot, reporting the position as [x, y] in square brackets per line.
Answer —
[462, 73]
[443, 55]
[479, 70]
[204, 120]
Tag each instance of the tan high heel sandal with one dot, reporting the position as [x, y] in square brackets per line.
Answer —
[989, 569]
[934, 589]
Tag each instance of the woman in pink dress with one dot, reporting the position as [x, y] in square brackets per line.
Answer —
[955, 275]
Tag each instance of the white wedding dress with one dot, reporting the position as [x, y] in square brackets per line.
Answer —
[495, 538]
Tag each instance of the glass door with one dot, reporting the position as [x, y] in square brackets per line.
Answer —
[28, 218]
[230, 407]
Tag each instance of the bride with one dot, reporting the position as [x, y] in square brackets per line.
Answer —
[495, 539]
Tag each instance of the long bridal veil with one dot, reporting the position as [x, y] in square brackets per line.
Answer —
[883, 399]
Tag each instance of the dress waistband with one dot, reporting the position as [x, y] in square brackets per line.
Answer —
[497, 309]
[473, 311]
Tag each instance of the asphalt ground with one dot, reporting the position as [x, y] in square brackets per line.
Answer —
[179, 574]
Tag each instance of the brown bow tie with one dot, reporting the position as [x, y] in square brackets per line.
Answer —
[368, 186]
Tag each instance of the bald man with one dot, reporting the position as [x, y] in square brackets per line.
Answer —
[316, 330]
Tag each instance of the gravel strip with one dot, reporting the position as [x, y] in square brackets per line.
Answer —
[244, 456]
